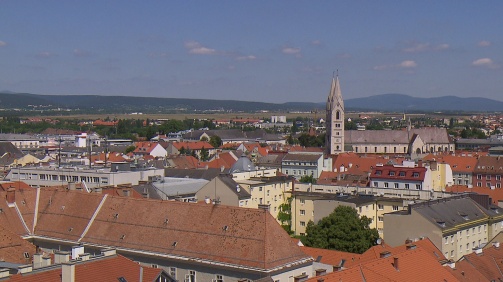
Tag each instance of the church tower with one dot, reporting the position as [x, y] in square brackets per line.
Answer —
[334, 141]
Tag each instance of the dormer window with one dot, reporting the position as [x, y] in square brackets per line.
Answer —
[378, 172]
[391, 173]
[402, 173]
[415, 174]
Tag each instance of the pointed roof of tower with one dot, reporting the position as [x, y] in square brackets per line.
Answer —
[335, 96]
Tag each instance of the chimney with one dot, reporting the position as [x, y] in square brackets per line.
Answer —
[84, 256]
[46, 261]
[4, 273]
[38, 260]
[478, 251]
[11, 196]
[25, 268]
[108, 252]
[395, 263]
[71, 186]
[320, 272]
[264, 207]
[77, 251]
[61, 257]
[68, 272]
[337, 268]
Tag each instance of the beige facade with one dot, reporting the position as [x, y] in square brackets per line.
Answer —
[455, 226]
[314, 206]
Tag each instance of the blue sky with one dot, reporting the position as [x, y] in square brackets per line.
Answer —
[270, 51]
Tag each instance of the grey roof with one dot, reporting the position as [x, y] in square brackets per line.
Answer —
[242, 164]
[302, 157]
[229, 182]
[172, 187]
[428, 135]
[450, 212]
[14, 137]
[270, 160]
[11, 150]
[207, 174]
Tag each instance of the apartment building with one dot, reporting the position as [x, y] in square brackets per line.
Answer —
[305, 164]
[401, 177]
[488, 172]
[455, 225]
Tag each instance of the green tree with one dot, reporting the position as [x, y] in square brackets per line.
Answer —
[342, 230]
[204, 155]
[130, 149]
[308, 179]
[215, 141]
[285, 215]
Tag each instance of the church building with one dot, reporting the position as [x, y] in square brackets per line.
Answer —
[413, 142]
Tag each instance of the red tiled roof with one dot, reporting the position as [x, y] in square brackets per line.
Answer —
[195, 145]
[145, 147]
[250, 239]
[488, 264]
[495, 194]
[411, 265]
[13, 247]
[103, 269]
[332, 257]
[401, 173]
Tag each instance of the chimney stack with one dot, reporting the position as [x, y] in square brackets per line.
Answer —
[61, 257]
[264, 207]
[11, 196]
[395, 263]
[68, 272]
[4, 273]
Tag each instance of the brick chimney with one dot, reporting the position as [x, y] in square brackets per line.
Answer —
[395, 263]
[11, 196]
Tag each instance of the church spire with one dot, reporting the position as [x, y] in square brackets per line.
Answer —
[335, 118]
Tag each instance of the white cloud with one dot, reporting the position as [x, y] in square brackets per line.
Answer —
[2, 43]
[316, 42]
[291, 51]
[425, 47]
[407, 64]
[485, 63]
[484, 43]
[195, 47]
[246, 58]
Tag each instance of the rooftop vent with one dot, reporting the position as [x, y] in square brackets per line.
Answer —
[166, 221]
[116, 215]
[174, 244]
[225, 228]
[123, 236]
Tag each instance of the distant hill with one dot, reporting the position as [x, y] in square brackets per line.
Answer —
[400, 103]
[124, 104]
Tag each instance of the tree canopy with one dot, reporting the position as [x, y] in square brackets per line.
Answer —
[342, 230]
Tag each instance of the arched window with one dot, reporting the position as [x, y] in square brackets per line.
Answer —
[337, 115]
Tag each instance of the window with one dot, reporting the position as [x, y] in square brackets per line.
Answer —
[488, 177]
[375, 149]
[380, 207]
[378, 172]
[479, 184]
[488, 184]
[366, 149]
[402, 173]
[446, 240]
[302, 223]
[260, 188]
[415, 174]
[42, 177]
[191, 277]
[452, 238]
[418, 186]
[375, 184]
[395, 208]
[396, 185]
[406, 186]
[391, 173]
[479, 176]
[386, 185]
[498, 177]
[498, 185]
[219, 278]
[302, 201]
[172, 272]
[467, 246]
[302, 212]
[380, 218]
[452, 253]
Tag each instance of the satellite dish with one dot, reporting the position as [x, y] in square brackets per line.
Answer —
[238, 189]
[379, 241]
